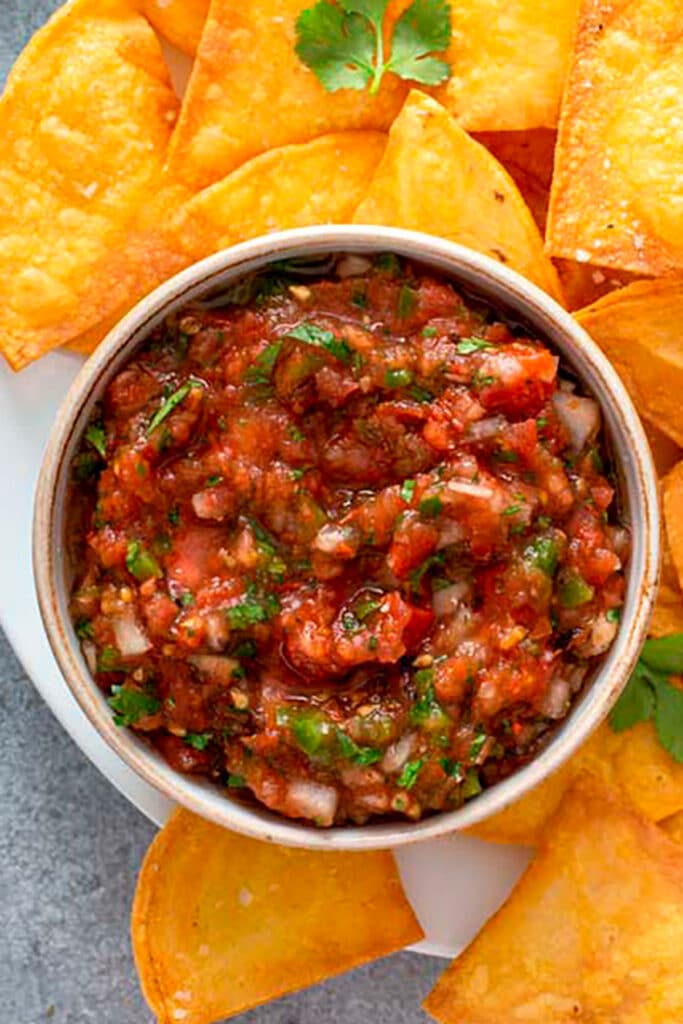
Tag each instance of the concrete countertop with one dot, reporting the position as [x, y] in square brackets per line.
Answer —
[70, 847]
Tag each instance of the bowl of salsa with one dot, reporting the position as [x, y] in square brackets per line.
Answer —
[347, 537]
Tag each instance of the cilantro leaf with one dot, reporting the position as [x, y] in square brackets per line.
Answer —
[664, 654]
[343, 43]
[318, 337]
[96, 437]
[636, 703]
[198, 740]
[338, 46]
[129, 706]
[669, 718]
[423, 28]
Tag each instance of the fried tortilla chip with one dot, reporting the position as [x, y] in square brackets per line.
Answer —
[673, 827]
[524, 821]
[179, 21]
[222, 923]
[85, 119]
[582, 283]
[592, 932]
[649, 776]
[668, 614]
[640, 329]
[319, 182]
[665, 452]
[508, 62]
[617, 195]
[672, 499]
[249, 92]
[434, 177]
[528, 158]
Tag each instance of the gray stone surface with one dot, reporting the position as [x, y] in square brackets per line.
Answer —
[70, 847]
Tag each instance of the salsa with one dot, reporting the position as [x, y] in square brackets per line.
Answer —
[346, 543]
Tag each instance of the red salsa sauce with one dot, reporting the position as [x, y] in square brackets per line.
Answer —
[346, 544]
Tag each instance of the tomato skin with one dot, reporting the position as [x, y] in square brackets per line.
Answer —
[336, 548]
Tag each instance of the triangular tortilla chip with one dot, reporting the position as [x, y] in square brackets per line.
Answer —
[617, 196]
[318, 182]
[249, 92]
[509, 62]
[434, 177]
[222, 923]
[85, 121]
[179, 21]
[592, 933]
[672, 500]
[640, 330]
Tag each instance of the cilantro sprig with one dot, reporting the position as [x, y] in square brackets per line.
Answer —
[650, 695]
[343, 43]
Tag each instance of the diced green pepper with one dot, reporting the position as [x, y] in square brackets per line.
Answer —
[573, 590]
[543, 553]
[141, 563]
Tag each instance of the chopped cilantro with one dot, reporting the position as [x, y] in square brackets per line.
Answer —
[109, 660]
[469, 345]
[420, 394]
[430, 507]
[252, 611]
[407, 300]
[472, 785]
[296, 434]
[409, 775]
[187, 599]
[429, 332]
[613, 615]
[213, 481]
[198, 740]
[174, 515]
[650, 694]
[236, 781]
[84, 630]
[365, 608]
[452, 768]
[512, 510]
[264, 364]
[95, 436]
[477, 745]
[318, 337]
[129, 705]
[172, 402]
[389, 262]
[373, 643]
[408, 490]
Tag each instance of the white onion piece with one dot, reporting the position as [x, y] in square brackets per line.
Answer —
[445, 602]
[555, 701]
[399, 752]
[219, 669]
[90, 654]
[312, 800]
[353, 266]
[600, 638]
[131, 639]
[579, 415]
[452, 532]
[330, 538]
[469, 490]
[217, 630]
[484, 430]
[621, 540]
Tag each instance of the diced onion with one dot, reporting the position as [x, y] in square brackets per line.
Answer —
[469, 490]
[220, 669]
[353, 266]
[131, 639]
[484, 430]
[602, 633]
[579, 415]
[312, 800]
[90, 654]
[451, 532]
[330, 539]
[445, 602]
[555, 701]
[399, 752]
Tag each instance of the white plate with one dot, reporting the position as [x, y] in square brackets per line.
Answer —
[454, 884]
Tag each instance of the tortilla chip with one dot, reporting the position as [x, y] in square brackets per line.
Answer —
[222, 923]
[617, 195]
[434, 177]
[528, 159]
[249, 92]
[665, 452]
[673, 827]
[591, 933]
[668, 613]
[85, 118]
[508, 62]
[523, 822]
[319, 182]
[583, 283]
[672, 500]
[640, 329]
[649, 776]
[179, 21]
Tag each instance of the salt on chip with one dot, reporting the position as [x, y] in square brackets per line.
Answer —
[318, 182]
[249, 93]
[617, 196]
[434, 177]
[640, 329]
[582, 283]
[179, 21]
[508, 62]
[222, 923]
[592, 932]
[85, 121]
[672, 499]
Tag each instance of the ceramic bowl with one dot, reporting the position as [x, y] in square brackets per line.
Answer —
[505, 291]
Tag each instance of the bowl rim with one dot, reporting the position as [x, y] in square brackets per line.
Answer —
[499, 286]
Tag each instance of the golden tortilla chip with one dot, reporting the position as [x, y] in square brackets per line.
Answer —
[528, 158]
[508, 62]
[249, 92]
[85, 119]
[222, 923]
[617, 195]
[434, 177]
[591, 933]
[665, 452]
[582, 283]
[640, 329]
[672, 500]
[179, 21]
[649, 776]
[319, 182]
[523, 822]
[668, 613]
[673, 827]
